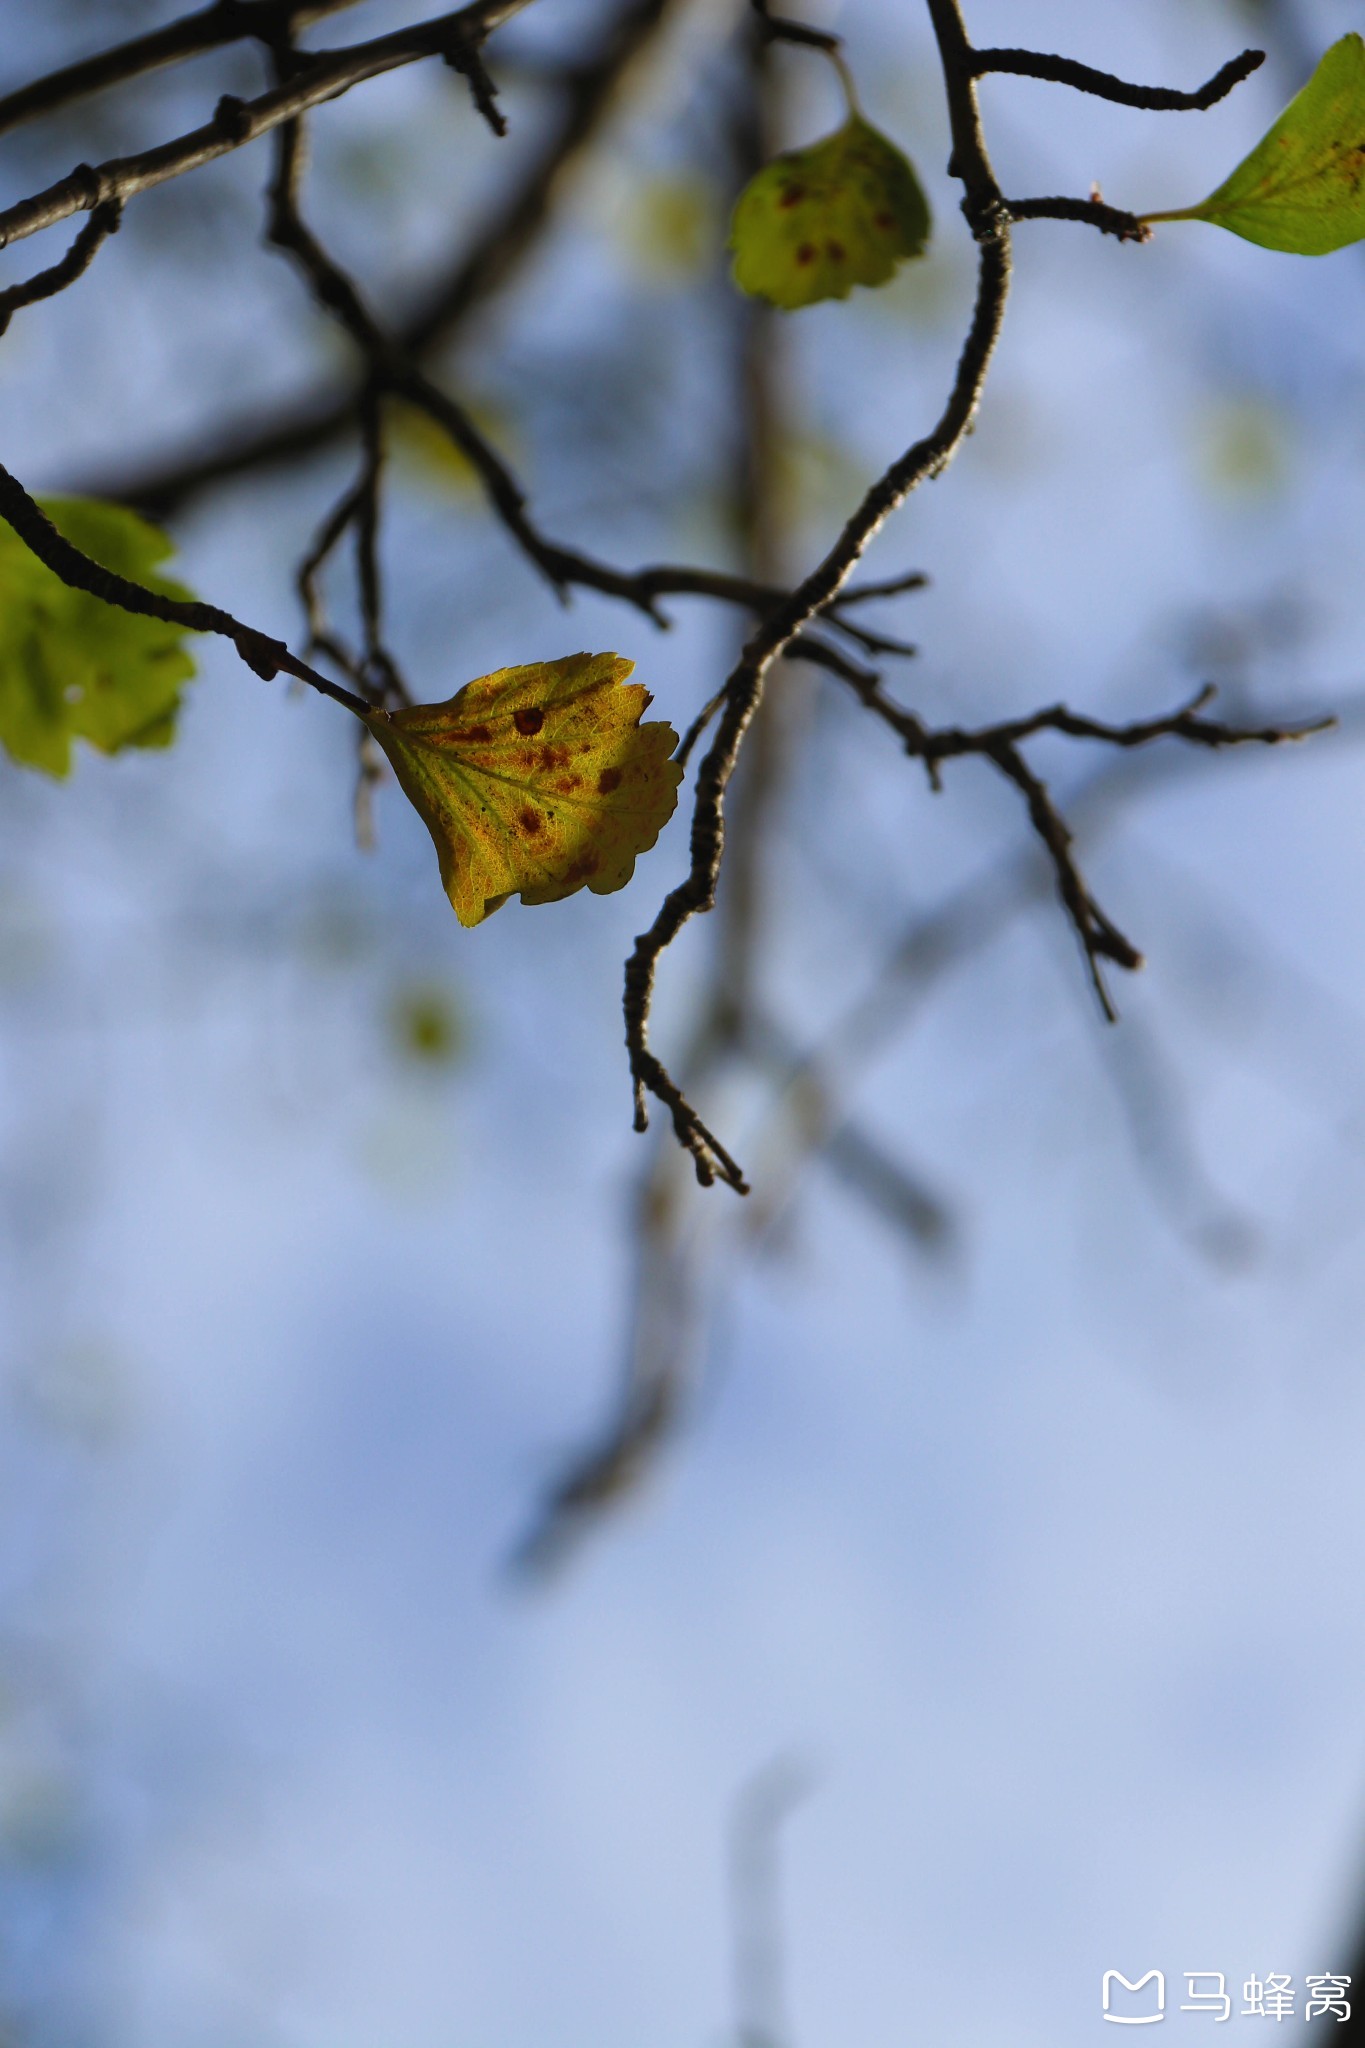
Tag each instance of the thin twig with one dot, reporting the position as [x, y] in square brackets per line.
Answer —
[103, 222]
[1084, 78]
[391, 368]
[445, 301]
[676, 1256]
[237, 122]
[761, 1811]
[1183, 724]
[987, 216]
[777, 29]
[464, 56]
[226, 21]
[1000, 744]
[1094, 213]
[267, 657]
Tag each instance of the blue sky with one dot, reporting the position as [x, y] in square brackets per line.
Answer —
[1044, 1557]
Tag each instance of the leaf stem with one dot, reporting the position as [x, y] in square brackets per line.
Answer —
[836, 58]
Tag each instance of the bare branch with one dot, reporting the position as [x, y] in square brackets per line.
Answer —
[890, 586]
[1110, 220]
[1083, 78]
[237, 122]
[775, 29]
[463, 56]
[761, 1811]
[390, 368]
[1100, 938]
[262, 654]
[988, 218]
[103, 222]
[226, 21]
[508, 238]
[1183, 724]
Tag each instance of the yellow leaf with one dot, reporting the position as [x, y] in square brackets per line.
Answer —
[538, 779]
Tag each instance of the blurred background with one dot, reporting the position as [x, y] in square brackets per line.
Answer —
[460, 1585]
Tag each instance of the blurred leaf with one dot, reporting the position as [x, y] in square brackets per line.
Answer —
[538, 779]
[428, 452]
[670, 226]
[73, 667]
[1302, 189]
[81, 1390]
[819, 475]
[926, 294]
[425, 1026]
[1244, 448]
[817, 221]
[39, 1819]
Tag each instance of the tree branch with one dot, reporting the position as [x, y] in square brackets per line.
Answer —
[1103, 84]
[237, 122]
[103, 222]
[1100, 938]
[1110, 220]
[226, 21]
[262, 654]
[988, 218]
[775, 28]
[496, 257]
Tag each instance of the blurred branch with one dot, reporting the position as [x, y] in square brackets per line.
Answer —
[509, 236]
[764, 1806]
[808, 1123]
[672, 1247]
[238, 122]
[1152, 1101]
[390, 368]
[610, 1469]
[226, 21]
[775, 28]
[665, 1311]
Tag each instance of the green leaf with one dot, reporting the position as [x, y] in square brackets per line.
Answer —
[425, 1025]
[817, 221]
[73, 667]
[1302, 189]
[539, 779]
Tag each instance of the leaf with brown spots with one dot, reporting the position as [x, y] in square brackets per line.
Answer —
[539, 780]
[817, 221]
[1302, 189]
